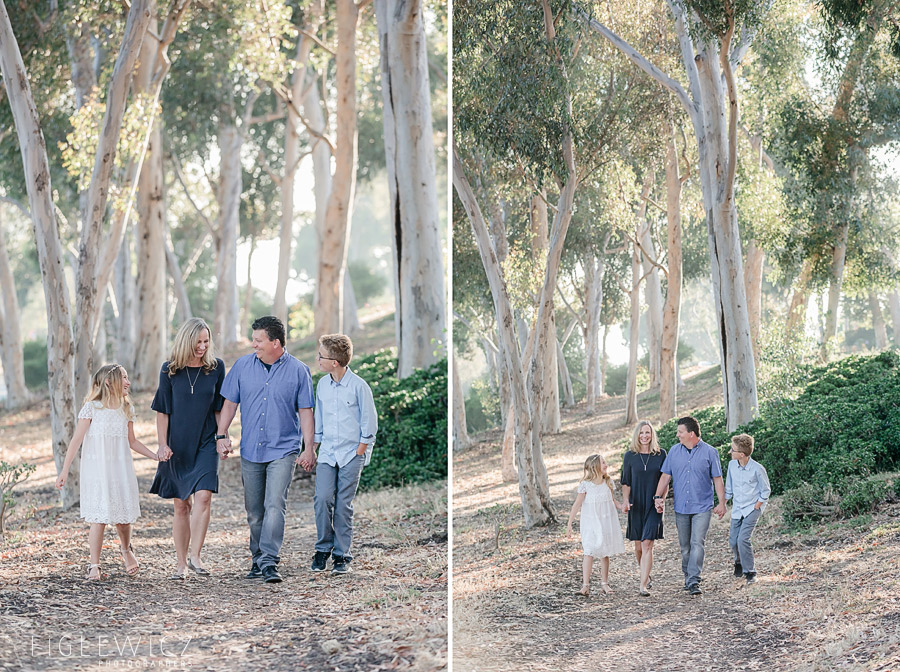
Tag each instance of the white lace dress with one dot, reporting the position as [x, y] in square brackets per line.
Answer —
[109, 489]
[601, 534]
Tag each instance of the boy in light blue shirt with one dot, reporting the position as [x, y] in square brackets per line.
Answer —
[346, 424]
[747, 485]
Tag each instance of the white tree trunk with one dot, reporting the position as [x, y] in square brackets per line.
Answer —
[796, 317]
[420, 315]
[672, 309]
[839, 256]
[566, 392]
[151, 246]
[60, 340]
[333, 252]
[246, 317]
[460, 431]
[653, 299]
[124, 286]
[10, 335]
[593, 304]
[182, 301]
[226, 311]
[753, 275]
[631, 412]
[881, 340]
[894, 306]
[534, 494]
[551, 422]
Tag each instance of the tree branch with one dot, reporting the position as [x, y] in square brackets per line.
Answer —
[180, 175]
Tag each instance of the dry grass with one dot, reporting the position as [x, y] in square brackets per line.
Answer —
[826, 599]
[389, 613]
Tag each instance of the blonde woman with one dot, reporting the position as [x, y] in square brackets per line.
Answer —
[641, 471]
[187, 405]
[109, 489]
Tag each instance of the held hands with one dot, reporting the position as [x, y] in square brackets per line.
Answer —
[223, 448]
[660, 505]
[719, 510]
[626, 506]
[163, 454]
[306, 459]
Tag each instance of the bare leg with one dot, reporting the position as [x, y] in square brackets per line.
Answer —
[646, 562]
[95, 542]
[131, 563]
[604, 574]
[181, 531]
[587, 567]
[199, 523]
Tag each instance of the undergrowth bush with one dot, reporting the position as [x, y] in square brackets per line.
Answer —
[811, 503]
[411, 445]
[843, 425]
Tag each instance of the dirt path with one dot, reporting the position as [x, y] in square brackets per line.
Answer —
[389, 613]
[828, 599]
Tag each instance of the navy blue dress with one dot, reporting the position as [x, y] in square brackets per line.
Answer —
[643, 520]
[192, 430]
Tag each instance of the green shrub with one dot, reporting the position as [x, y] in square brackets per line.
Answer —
[617, 379]
[11, 475]
[34, 354]
[812, 503]
[482, 407]
[411, 445]
[862, 495]
[897, 488]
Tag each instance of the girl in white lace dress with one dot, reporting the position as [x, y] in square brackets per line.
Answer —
[601, 535]
[109, 490]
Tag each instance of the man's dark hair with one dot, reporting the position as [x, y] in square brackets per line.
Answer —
[273, 326]
[689, 423]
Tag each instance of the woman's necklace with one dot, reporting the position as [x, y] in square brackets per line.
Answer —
[195, 379]
[646, 462]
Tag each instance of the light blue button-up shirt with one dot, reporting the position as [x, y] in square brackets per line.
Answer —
[345, 418]
[269, 399]
[692, 473]
[748, 485]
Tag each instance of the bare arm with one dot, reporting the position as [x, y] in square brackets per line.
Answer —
[139, 447]
[162, 431]
[223, 422]
[576, 507]
[626, 498]
[80, 430]
[719, 484]
[307, 459]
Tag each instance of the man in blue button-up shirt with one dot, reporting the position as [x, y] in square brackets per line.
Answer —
[748, 484]
[693, 468]
[346, 424]
[274, 390]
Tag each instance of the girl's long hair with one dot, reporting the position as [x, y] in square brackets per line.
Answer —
[636, 442]
[184, 344]
[593, 466]
[107, 387]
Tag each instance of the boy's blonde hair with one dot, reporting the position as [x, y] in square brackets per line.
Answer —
[743, 443]
[338, 346]
[184, 344]
[635, 440]
[593, 471]
[107, 387]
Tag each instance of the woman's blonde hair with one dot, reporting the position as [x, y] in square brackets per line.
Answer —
[107, 387]
[184, 344]
[593, 471]
[636, 441]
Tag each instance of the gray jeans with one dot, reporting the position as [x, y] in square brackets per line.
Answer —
[265, 498]
[739, 539]
[692, 529]
[333, 503]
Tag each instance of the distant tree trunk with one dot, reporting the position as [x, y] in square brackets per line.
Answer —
[796, 318]
[151, 255]
[333, 252]
[182, 301]
[894, 306]
[567, 394]
[460, 431]
[672, 309]
[126, 340]
[10, 334]
[654, 301]
[226, 308]
[881, 340]
[839, 256]
[593, 305]
[533, 490]
[604, 360]
[246, 317]
[352, 324]
[60, 340]
[551, 423]
[753, 272]
[631, 412]
[409, 151]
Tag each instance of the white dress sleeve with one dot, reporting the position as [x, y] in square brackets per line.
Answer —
[87, 411]
[582, 487]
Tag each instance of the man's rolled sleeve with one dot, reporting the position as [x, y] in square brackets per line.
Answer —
[368, 420]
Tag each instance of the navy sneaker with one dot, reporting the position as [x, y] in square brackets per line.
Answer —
[270, 574]
[319, 561]
[751, 577]
[341, 566]
[254, 573]
[694, 589]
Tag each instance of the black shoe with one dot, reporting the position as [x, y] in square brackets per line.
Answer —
[254, 573]
[319, 561]
[694, 589]
[341, 566]
[270, 575]
[738, 570]
[751, 577]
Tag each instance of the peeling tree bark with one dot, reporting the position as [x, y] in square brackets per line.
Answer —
[668, 383]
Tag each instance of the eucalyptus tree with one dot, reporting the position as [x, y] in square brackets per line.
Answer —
[11, 355]
[714, 36]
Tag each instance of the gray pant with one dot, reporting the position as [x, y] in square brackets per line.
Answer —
[333, 503]
[692, 529]
[265, 498]
[739, 539]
